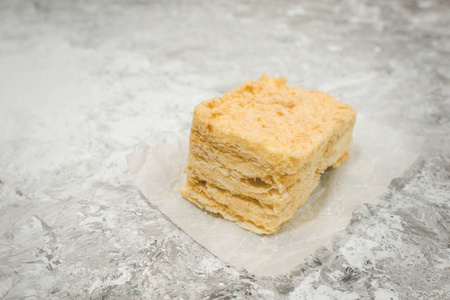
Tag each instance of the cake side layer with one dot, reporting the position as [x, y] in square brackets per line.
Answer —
[243, 167]
[247, 213]
[208, 204]
[234, 177]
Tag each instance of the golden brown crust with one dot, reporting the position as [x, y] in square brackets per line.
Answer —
[271, 123]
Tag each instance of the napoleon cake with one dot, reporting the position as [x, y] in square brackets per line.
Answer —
[257, 153]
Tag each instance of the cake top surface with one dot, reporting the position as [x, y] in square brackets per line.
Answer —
[272, 122]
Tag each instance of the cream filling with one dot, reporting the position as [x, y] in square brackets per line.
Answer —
[211, 168]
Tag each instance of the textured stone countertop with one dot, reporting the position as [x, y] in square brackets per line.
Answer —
[83, 83]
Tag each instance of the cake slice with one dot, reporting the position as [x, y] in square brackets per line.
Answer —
[256, 154]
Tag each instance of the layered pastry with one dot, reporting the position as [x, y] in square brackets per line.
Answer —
[256, 154]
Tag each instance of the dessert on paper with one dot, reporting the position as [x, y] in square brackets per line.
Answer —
[257, 153]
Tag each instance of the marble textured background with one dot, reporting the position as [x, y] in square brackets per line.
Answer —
[83, 83]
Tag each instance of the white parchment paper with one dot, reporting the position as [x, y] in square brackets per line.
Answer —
[377, 155]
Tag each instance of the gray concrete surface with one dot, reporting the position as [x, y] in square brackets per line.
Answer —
[83, 83]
